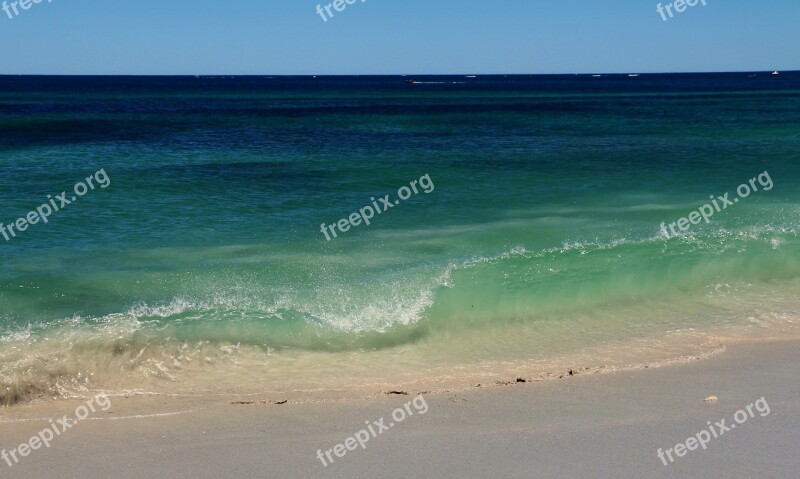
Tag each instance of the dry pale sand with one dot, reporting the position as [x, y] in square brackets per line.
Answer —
[587, 426]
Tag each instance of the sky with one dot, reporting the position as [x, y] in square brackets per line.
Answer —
[289, 37]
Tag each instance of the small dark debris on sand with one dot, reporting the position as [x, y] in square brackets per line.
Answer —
[401, 393]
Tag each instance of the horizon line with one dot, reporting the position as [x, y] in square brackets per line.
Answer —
[378, 74]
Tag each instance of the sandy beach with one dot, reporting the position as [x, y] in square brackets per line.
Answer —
[586, 426]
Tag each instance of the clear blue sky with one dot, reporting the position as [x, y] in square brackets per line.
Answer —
[396, 37]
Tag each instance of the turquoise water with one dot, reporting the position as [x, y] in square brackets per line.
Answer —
[202, 265]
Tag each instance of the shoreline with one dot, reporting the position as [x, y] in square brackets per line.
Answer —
[314, 377]
[150, 403]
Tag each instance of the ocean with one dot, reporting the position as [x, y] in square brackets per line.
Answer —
[534, 247]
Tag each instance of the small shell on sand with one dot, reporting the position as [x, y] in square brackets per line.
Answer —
[711, 399]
